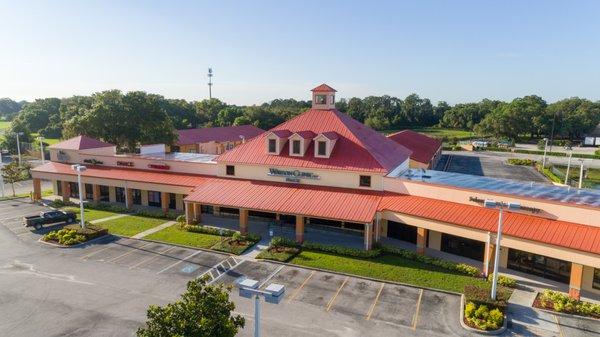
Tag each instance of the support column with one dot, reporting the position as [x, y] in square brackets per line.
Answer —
[368, 234]
[384, 226]
[435, 240]
[96, 193]
[277, 216]
[244, 221]
[189, 214]
[421, 240]
[164, 202]
[112, 194]
[144, 198]
[197, 213]
[66, 191]
[37, 189]
[575, 281]
[299, 229]
[179, 202]
[128, 198]
[488, 259]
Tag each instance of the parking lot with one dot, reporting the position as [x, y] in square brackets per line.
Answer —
[489, 165]
[315, 295]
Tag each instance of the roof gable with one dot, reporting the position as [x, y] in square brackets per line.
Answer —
[80, 143]
[423, 147]
[323, 88]
[358, 148]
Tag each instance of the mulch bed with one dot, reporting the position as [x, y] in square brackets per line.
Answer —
[537, 303]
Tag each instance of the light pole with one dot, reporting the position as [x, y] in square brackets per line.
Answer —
[568, 163]
[19, 146]
[580, 173]
[493, 204]
[273, 293]
[41, 139]
[79, 169]
[545, 148]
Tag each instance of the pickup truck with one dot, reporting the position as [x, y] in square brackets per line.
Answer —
[49, 217]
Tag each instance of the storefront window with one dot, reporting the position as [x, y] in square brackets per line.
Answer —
[172, 201]
[74, 187]
[553, 269]
[472, 249]
[154, 198]
[120, 194]
[596, 282]
[59, 187]
[89, 191]
[136, 196]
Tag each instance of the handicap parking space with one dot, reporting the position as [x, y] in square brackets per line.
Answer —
[397, 305]
[197, 264]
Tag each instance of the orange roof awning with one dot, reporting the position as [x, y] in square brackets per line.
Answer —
[313, 201]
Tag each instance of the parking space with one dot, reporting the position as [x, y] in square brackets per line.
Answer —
[397, 305]
[12, 213]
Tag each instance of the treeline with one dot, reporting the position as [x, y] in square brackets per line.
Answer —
[133, 118]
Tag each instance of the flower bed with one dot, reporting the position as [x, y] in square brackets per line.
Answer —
[237, 243]
[73, 234]
[560, 302]
[280, 249]
[482, 317]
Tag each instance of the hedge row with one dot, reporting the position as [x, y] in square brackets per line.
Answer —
[159, 214]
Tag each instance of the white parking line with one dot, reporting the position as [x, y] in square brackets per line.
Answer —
[152, 257]
[180, 261]
[131, 251]
[271, 276]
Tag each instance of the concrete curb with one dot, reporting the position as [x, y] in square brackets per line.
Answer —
[481, 332]
[56, 245]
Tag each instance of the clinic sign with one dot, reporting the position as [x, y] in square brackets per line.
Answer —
[292, 175]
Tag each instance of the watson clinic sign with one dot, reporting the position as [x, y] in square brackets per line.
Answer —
[292, 176]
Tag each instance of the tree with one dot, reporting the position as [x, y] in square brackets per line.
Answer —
[203, 311]
[9, 108]
[12, 173]
[10, 136]
[181, 112]
[36, 115]
[573, 117]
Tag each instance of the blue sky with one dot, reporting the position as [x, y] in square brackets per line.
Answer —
[456, 51]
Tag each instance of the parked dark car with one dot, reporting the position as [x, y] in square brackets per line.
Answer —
[49, 217]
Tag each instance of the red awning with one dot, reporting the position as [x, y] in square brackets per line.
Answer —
[313, 201]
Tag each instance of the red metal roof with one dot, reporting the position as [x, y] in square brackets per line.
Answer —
[423, 147]
[305, 134]
[217, 134]
[331, 135]
[560, 233]
[313, 201]
[80, 143]
[323, 88]
[176, 179]
[281, 133]
[358, 148]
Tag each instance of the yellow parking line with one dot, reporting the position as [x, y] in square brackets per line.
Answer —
[416, 316]
[558, 325]
[152, 257]
[330, 304]
[374, 303]
[297, 291]
[131, 251]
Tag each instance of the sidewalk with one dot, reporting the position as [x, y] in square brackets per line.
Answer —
[520, 312]
[153, 230]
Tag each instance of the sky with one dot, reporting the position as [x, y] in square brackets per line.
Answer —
[456, 51]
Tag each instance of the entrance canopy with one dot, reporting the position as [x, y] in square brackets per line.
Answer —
[312, 201]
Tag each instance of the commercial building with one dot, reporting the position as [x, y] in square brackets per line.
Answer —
[324, 169]
[214, 140]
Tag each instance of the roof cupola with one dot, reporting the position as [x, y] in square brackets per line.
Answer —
[323, 97]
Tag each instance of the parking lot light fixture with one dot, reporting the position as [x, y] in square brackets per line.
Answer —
[545, 149]
[500, 205]
[249, 288]
[41, 139]
[19, 146]
[79, 169]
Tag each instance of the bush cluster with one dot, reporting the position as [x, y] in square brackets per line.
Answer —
[562, 303]
[523, 162]
[341, 250]
[448, 265]
[504, 281]
[65, 236]
[481, 317]
[159, 214]
[280, 241]
[208, 230]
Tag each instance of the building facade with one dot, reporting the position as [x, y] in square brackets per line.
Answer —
[322, 168]
[214, 140]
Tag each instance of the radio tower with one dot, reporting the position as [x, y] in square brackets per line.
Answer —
[210, 75]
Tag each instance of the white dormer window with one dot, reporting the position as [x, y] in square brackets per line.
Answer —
[322, 148]
[275, 141]
[324, 144]
[272, 145]
[296, 146]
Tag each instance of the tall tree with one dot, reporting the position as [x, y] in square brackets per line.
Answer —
[12, 173]
[203, 311]
[9, 108]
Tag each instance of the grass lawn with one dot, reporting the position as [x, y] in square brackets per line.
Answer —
[389, 268]
[179, 236]
[49, 141]
[130, 225]
[592, 179]
[8, 193]
[439, 133]
[3, 126]
[90, 214]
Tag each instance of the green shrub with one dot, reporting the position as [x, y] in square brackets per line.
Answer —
[341, 250]
[523, 162]
[563, 303]
[65, 236]
[504, 281]
[181, 219]
[58, 203]
[597, 152]
[280, 241]
[481, 317]
[90, 232]
[237, 243]
[208, 230]
[451, 266]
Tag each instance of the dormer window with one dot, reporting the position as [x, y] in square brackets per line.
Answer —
[321, 148]
[272, 145]
[296, 147]
[320, 99]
